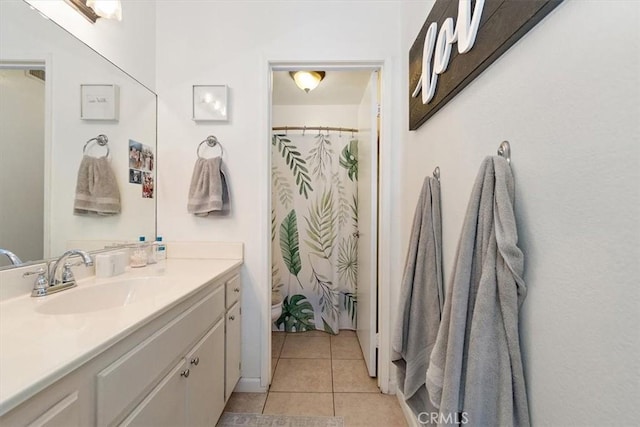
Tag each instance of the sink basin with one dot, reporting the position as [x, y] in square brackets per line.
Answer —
[103, 296]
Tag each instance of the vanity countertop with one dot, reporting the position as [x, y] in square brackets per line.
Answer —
[38, 349]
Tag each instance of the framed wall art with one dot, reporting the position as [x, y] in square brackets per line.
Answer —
[210, 102]
[99, 102]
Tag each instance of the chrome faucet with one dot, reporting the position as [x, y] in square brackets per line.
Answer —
[12, 257]
[67, 274]
[58, 282]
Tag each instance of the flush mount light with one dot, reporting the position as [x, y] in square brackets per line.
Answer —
[307, 80]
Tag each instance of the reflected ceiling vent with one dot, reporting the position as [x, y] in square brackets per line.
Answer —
[36, 74]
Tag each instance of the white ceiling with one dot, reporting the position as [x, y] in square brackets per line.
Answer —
[337, 88]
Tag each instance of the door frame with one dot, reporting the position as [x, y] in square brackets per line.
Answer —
[385, 197]
[44, 62]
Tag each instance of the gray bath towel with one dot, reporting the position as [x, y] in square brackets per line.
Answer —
[421, 299]
[96, 188]
[208, 192]
[475, 372]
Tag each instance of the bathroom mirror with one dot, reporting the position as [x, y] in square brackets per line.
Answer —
[44, 70]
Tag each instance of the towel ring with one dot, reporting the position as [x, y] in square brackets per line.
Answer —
[211, 141]
[505, 151]
[101, 140]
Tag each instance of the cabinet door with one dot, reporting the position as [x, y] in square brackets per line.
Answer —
[205, 391]
[165, 405]
[64, 414]
[232, 347]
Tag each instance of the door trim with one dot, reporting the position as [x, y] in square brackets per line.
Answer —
[385, 198]
[45, 62]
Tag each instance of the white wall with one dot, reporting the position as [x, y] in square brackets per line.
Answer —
[130, 43]
[567, 97]
[315, 115]
[21, 165]
[230, 42]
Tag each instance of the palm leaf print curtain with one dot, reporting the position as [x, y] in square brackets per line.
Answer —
[313, 230]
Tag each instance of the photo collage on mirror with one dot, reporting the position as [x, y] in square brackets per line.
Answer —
[141, 164]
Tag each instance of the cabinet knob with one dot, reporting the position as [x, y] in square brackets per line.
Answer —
[195, 361]
[236, 290]
[185, 373]
[232, 317]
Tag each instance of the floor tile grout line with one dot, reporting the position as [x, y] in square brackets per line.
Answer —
[264, 405]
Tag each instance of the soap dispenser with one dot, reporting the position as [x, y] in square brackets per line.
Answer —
[160, 249]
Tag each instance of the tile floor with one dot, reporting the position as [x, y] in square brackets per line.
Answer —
[316, 374]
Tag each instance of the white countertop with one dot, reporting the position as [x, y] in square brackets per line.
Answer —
[38, 349]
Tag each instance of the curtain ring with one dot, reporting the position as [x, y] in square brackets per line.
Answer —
[304, 129]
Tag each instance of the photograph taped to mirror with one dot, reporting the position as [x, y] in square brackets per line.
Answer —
[147, 185]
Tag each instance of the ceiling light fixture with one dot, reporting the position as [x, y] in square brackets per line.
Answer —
[307, 80]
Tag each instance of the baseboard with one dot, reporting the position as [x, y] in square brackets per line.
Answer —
[412, 420]
[249, 385]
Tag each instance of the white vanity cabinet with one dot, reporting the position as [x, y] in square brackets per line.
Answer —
[233, 324]
[177, 369]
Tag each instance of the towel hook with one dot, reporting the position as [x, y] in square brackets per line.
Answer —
[211, 141]
[436, 173]
[101, 140]
[505, 151]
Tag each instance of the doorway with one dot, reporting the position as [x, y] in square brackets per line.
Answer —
[324, 207]
[22, 165]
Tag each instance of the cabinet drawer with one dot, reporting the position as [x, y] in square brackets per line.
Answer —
[233, 287]
[122, 382]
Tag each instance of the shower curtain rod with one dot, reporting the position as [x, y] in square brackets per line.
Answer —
[319, 128]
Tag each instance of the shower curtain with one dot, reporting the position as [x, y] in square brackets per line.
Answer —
[314, 224]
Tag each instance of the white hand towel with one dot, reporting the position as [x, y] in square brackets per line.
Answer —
[96, 188]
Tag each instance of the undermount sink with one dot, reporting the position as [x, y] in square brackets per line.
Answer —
[104, 296]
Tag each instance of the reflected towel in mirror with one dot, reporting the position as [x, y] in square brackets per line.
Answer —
[96, 188]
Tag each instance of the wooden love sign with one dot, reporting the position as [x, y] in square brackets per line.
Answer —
[483, 30]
